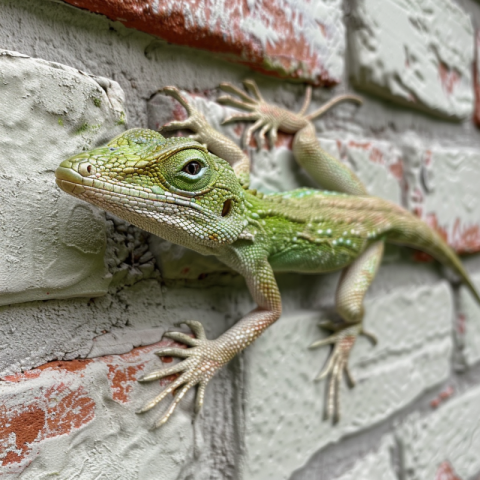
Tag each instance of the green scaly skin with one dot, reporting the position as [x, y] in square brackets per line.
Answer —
[177, 189]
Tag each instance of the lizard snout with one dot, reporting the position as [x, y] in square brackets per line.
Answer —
[69, 180]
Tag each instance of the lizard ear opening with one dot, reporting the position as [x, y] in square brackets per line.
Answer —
[227, 206]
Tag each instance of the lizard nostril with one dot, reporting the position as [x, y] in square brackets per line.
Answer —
[86, 169]
[227, 206]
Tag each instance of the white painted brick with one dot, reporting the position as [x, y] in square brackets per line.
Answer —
[419, 53]
[469, 323]
[442, 188]
[378, 164]
[374, 466]
[284, 407]
[451, 433]
[52, 245]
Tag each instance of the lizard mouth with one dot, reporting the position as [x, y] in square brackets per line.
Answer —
[69, 180]
[73, 183]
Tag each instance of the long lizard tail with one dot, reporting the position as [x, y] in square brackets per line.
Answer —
[415, 233]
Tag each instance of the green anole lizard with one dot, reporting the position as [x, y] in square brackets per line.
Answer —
[194, 192]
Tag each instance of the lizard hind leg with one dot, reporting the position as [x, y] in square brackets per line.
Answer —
[353, 285]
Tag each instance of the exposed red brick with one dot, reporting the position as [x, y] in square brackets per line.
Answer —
[123, 370]
[26, 426]
[463, 239]
[64, 406]
[376, 156]
[442, 396]
[284, 140]
[239, 129]
[448, 77]
[121, 380]
[396, 169]
[432, 220]
[361, 145]
[290, 54]
[18, 377]
[70, 365]
[445, 472]
[57, 410]
[74, 410]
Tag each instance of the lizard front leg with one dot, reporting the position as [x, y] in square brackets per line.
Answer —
[268, 119]
[204, 133]
[205, 357]
[351, 291]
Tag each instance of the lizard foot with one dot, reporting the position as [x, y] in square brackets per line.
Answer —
[267, 117]
[343, 340]
[202, 360]
[271, 118]
[195, 120]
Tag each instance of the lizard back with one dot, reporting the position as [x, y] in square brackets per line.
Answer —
[314, 231]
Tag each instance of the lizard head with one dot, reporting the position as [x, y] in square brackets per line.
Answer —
[171, 187]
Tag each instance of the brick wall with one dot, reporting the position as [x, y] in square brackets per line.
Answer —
[85, 298]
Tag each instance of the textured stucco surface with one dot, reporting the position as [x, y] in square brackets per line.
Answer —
[56, 112]
[69, 365]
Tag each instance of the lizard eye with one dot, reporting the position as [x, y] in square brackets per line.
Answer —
[192, 168]
[189, 170]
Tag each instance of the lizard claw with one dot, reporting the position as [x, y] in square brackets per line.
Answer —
[201, 361]
[343, 340]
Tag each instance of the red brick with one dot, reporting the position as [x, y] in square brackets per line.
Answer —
[300, 40]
